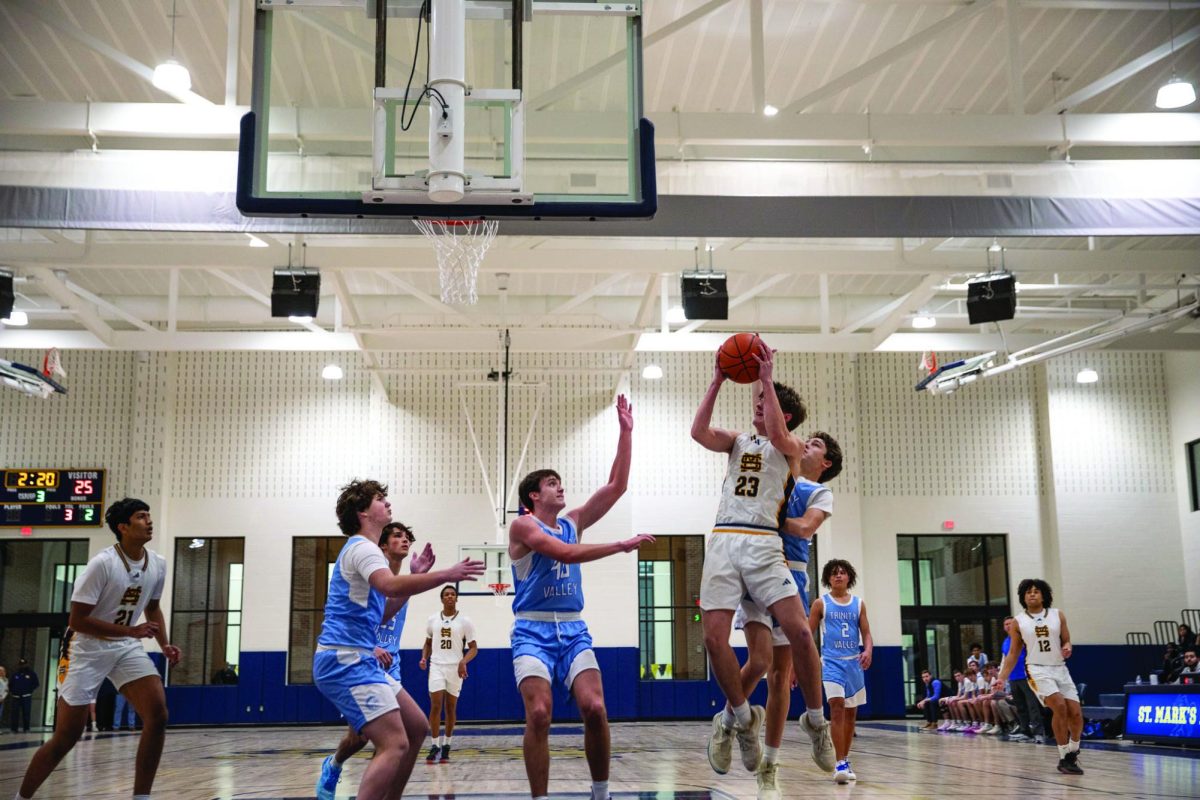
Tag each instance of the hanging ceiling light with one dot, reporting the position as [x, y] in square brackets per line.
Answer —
[924, 321]
[1175, 93]
[171, 76]
[770, 110]
[332, 372]
[652, 372]
[1087, 375]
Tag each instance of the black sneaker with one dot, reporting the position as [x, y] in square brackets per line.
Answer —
[1067, 765]
[433, 755]
[445, 754]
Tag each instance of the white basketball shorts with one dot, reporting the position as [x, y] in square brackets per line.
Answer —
[444, 678]
[90, 661]
[740, 564]
[1046, 681]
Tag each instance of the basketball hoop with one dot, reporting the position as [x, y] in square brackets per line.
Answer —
[498, 590]
[460, 245]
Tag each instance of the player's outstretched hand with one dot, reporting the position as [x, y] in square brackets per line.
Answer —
[172, 653]
[147, 630]
[383, 657]
[629, 545]
[624, 412]
[765, 357]
[466, 570]
[423, 561]
[719, 375]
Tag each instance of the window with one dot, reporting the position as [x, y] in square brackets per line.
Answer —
[206, 608]
[953, 593]
[670, 636]
[313, 558]
[37, 577]
[1193, 462]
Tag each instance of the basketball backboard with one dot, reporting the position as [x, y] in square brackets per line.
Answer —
[548, 113]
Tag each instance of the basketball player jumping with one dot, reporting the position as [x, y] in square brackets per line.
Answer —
[362, 593]
[395, 542]
[116, 587]
[550, 640]
[1042, 632]
[456, 647]
[744, 557]
[768, 651]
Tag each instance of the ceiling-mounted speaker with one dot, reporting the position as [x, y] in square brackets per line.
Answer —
[704, 295]
[6, 294]
[991, 298]
[295, 292]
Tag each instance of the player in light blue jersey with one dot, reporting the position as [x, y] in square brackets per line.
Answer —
[842, 618]
[768, 650]
[396, 540]
[362, 593]
[550, 640]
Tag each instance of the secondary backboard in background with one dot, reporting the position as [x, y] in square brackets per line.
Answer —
[307, 147]
[497, 569]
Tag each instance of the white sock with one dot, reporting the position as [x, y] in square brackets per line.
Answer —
[727, 717]
[1063, 749]
[816, 717]
[337, 763]
[770, 754]
[442, 741]
[141, 797]
[447, 740]
[599, 790]
[742, 714]
[1073, 745]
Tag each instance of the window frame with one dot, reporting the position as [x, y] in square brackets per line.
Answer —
[293, 609]
[208, 611]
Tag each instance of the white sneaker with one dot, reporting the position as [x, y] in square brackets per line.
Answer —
[747, 739]
[822, 743]
[993, 731]
[720, 746]
[850, 772]
[768, 782]
[842, 774]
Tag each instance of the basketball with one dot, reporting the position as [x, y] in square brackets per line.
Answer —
[735, 357]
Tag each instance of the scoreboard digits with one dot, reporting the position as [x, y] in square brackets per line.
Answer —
[52, 498]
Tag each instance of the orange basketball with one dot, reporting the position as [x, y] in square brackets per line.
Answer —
[735, 357]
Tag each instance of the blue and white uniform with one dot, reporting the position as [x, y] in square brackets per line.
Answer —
[805, 494]
[840, 671]
[344, 666]
[744, 556]
[549, 637]
[387, 637]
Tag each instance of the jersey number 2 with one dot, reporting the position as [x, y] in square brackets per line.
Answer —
[747, 486]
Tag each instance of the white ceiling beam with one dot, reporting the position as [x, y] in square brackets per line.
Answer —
[913, 301]
[889, 56]
[353, 319]
[173, 301]
[1109, 5]
[62, 294]
[111, 308]
[744, 297]
[47, 15]
[848, 330]
[600, 67]
[425, 298]
[1016, 80]
[758, 80]
[583, 297]
[1122, 73]
[258, 296]
[823, 291]
[233, 48]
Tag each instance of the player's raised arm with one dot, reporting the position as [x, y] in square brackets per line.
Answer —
[383, 581]
[607, 495]
[718, 440]
[773, 418]
[805, 526]
[526, 533]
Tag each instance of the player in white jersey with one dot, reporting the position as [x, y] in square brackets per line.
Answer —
[1042, 632]
[447, 663]
[118, 585]
[842, 618]
[768, 651]
[744, 556]
[550, 641]
[363, 592]
[395, 541]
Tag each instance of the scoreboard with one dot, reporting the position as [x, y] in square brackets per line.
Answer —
[52, 498]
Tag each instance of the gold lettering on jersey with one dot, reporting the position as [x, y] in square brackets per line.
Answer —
[131, 596]
[752, 462]
[1041, 631]
[446, 634]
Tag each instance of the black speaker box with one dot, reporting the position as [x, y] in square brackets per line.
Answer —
[295, 293]
[991, 298]
[704, 295]
[6, 294]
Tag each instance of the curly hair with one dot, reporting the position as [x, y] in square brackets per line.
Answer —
[355, 498]
[834, 563]
[1035, 583]
[833, 454]
[395, 528]
[533, 483]
[790, 403]
[120, 512]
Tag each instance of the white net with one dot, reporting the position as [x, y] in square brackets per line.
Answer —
[460, 246]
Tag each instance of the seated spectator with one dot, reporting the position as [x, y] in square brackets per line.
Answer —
[226, 677]
[962, 708]
[978, 656]
[1171, 664]
[928, 705]
[1186, 637]
[1190, 671]
[947, 701]
[996, 706]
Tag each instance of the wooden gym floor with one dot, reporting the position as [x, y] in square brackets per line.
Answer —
[651, 761]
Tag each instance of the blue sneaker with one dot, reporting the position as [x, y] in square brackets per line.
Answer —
[331, 773]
